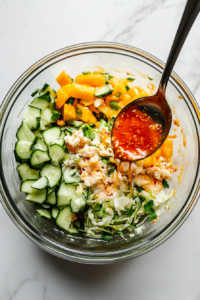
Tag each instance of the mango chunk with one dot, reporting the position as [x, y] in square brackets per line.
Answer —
[126, 99]
[83, 113]
[82, 92]
[94, 109]
[167, 149]
[92, 119]
[69, 112]
[62, 97]
[87, 103]
[63, 79]
[93, 80]
[148, 162]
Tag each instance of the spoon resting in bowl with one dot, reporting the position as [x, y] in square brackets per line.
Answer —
[143, 125]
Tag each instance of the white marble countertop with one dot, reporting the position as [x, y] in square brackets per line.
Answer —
[30, 30]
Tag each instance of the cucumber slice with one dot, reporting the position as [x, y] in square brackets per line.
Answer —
[56, 152]
[38, 133]
[103, 91]
[51, 198]
[45, 214]
[26, 186]
[39, 144]
[65, 193]
[54, 212]
[25, 172]
[48, 88]
[60, 142]
[22, 151]
[77, 204]
[69, 130]
[50, 115]
[53, 174]
[50, 190]
[46, 206]
[73, 230]
[40, 184]
[33, 124]
[38, 196]
[38, 157]
[42, 101]
[62, 134]
[52, 134]
[25, 134]
[71, 175]
[32, 112]
[75, 123]
[64, 218]
[102, 124]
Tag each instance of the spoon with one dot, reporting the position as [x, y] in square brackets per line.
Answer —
[143, 125]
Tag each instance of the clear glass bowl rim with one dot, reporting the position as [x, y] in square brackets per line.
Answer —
[78, 256]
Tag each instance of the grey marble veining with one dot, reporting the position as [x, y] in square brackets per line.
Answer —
[28, 31]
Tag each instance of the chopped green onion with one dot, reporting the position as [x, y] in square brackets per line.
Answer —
[119, 232]
[130, 78]
[86, 72]
[72, 79]
[79, 112]
[92, 125]
[111, 171]
[118, 94]
[165, 184]
[107, 237]
[114, 105]
[139, 189]
[70, 100]
[35, 92]
[150, 78]
[105, 160]
[127, 88]
[69, 130]
[76, 159]
[111, 122]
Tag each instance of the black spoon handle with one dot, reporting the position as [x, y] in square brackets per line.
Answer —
[190, 13]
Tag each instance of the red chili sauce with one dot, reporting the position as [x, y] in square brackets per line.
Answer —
[135, 135]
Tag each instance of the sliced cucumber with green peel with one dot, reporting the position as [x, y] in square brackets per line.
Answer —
[38, 196]
[75, 123]
[65, 193]
[26, 186]
[56, 152]
[48, 88]
[53, 174]
[38, 157]
[51, 198]
[25, 172]
[45, 214]
[54, 212]
[64, 218]
[33, 124]
[22, 151]
[38, 133]
[25, 134]
[50, 190]
[42, 101]
[73, 230]
[60, 142]
[40, 184]
[39, 144]
[32, 112]
[50, 116]
[52, 134]
[103, 91]
[77, 204]
[71, 175]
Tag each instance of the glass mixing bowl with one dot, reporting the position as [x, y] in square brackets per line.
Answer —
[74, 60]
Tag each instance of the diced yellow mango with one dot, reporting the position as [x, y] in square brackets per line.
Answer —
[62, 97]
[83, 92]
[67, 89]
[126, 99]
[69, 112]
[154, 160]
[167, 149]
[63, 79]
[83, 113]
[87, 103]
[157, 154]
[111, 98]
[118, 85]
[94, 80]
[131, 92]
[97, 124]
[114, 81]
[94, 109]
[92, 119]
[104, 109]
[148, 162]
